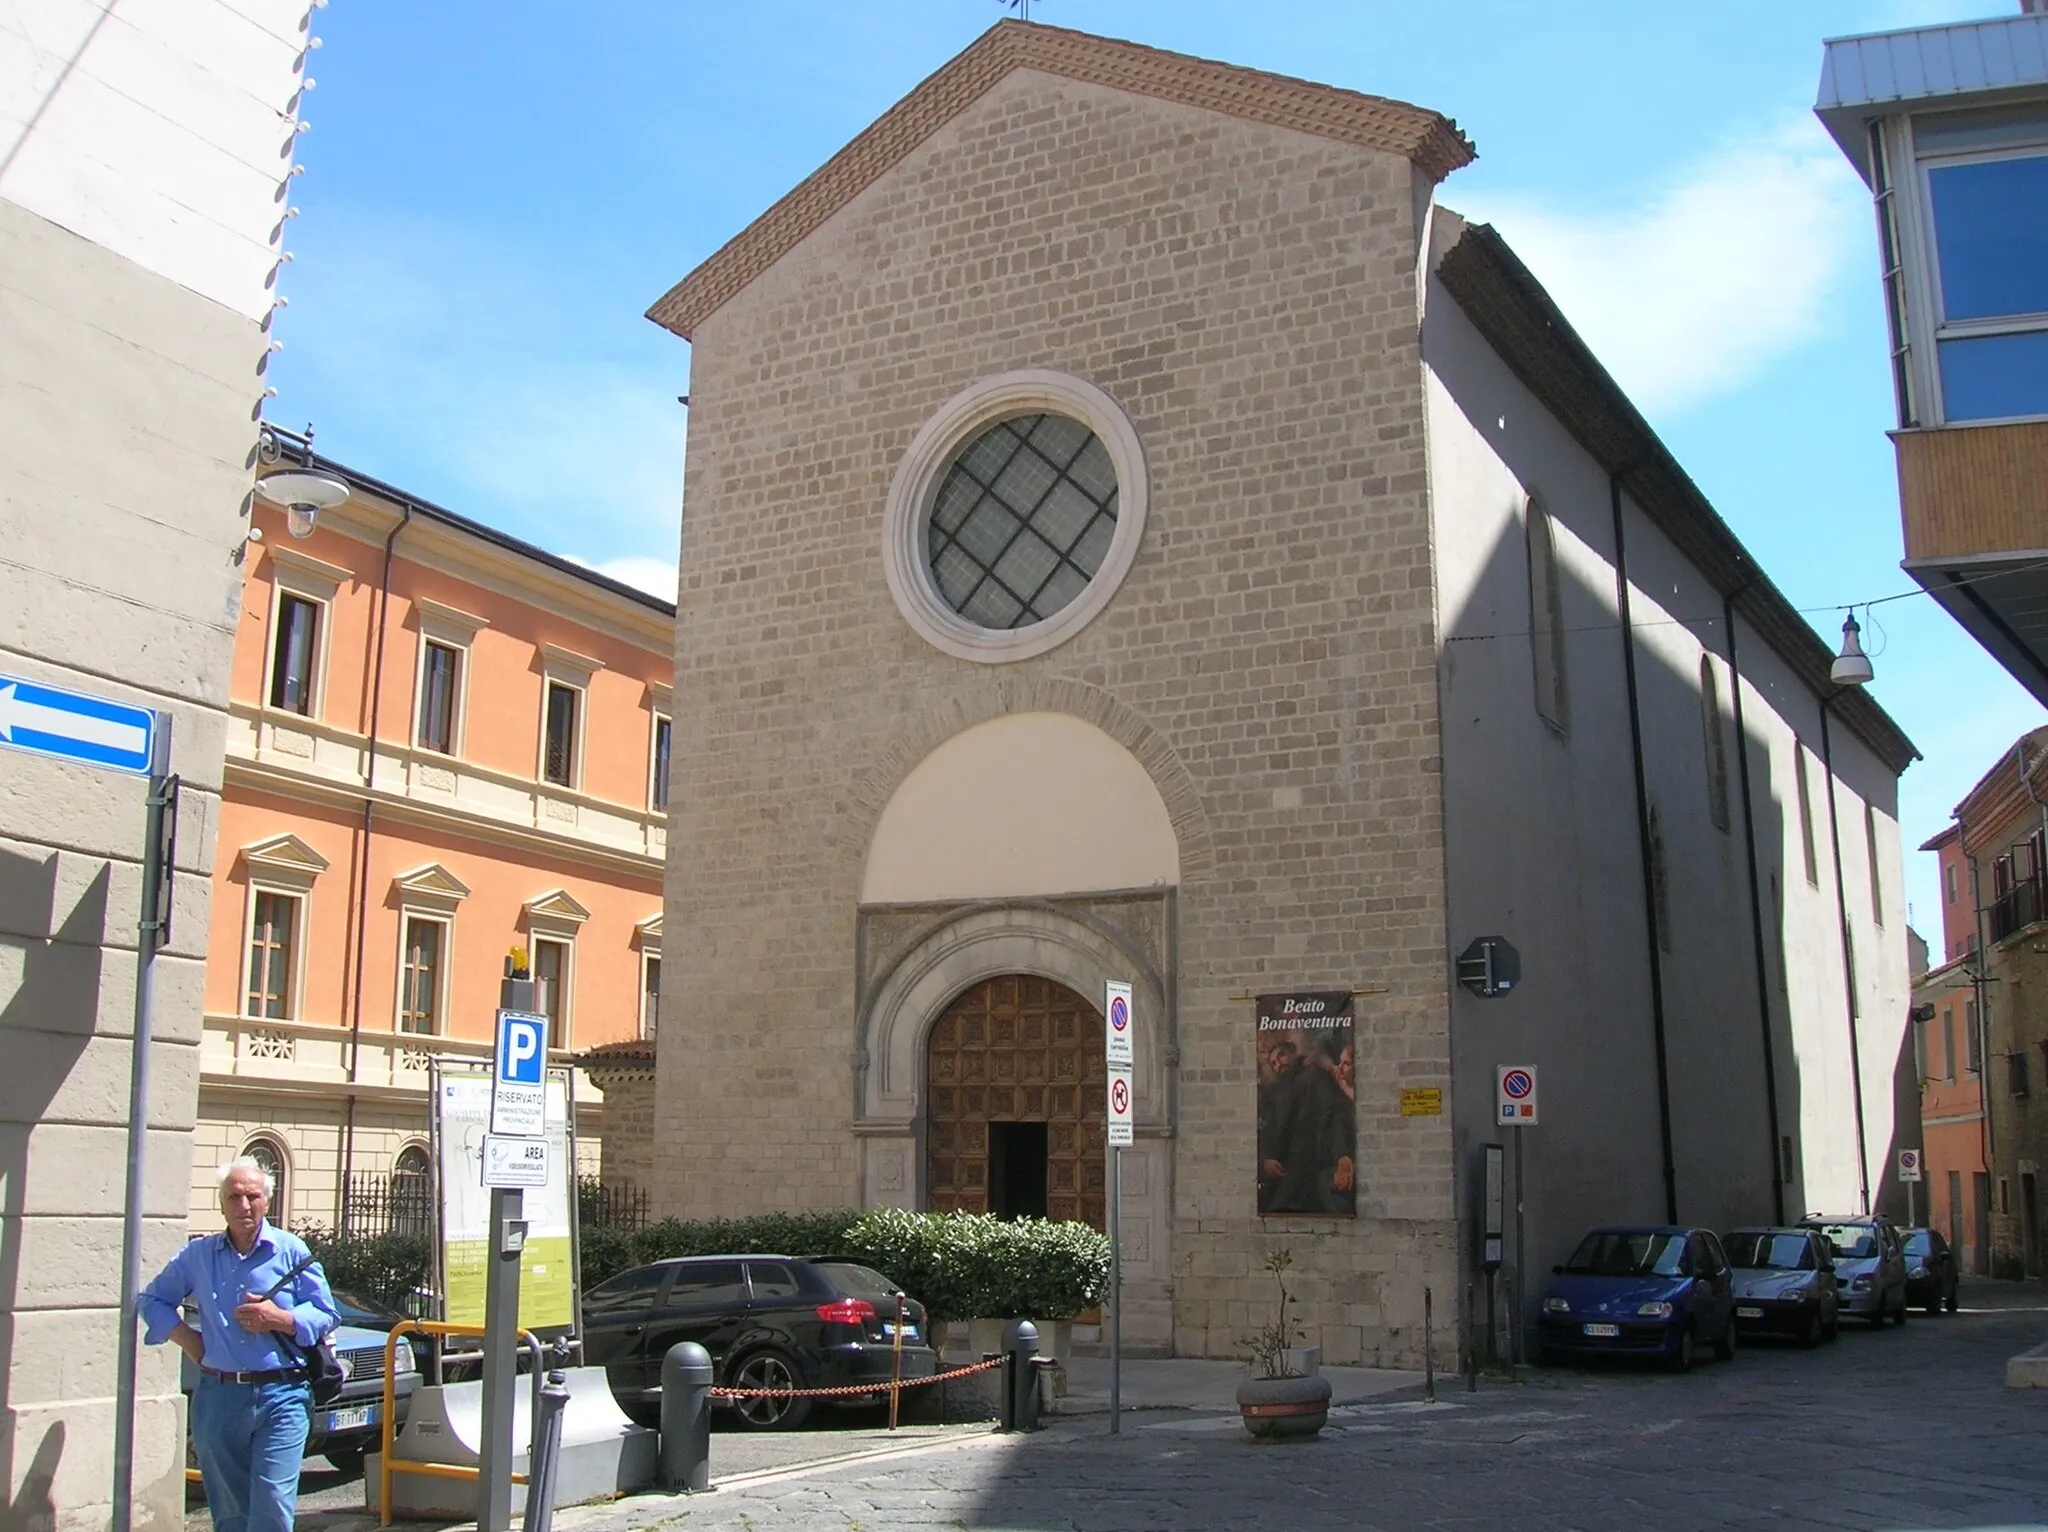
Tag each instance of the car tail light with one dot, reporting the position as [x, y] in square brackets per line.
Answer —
[847, 1311]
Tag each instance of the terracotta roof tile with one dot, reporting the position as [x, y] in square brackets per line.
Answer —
[1427, 138]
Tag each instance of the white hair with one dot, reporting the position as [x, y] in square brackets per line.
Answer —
[249, 1163]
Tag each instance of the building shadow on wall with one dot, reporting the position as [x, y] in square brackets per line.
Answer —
[45, 1025]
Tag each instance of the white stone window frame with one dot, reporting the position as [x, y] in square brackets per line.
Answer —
[293, 573]
[429, 893]
[564, 667]
[287, 1175]
[451, 628]
[556, 917]
[661, 709]
[285, 867]
[918, 477]
[647, 935]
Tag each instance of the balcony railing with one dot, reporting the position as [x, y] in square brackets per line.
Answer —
[2019, 906]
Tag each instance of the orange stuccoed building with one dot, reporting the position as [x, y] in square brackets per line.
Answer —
[442, 743]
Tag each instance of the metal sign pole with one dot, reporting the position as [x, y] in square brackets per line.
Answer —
[158, 838]
[1116, 1288]
[1521, 1287]
[501, 1272]
[501, 1367]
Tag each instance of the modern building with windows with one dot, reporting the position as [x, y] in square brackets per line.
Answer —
[1949, 127]
[1134, 532]
[442, 744]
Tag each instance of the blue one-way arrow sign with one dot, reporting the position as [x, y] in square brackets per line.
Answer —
[48, 720]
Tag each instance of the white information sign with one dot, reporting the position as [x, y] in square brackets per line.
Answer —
[1121, 1104]
[515, 1161]
[518, 1070]
[546, 1292]
[1515, 1095]
[1118, 1023]
[1909, 1164]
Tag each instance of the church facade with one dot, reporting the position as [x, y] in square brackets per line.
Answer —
[1134, 534]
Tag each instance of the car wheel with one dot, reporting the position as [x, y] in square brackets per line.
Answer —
[346, 1461]
[1724, 1348]
[1687, 1352]
[768, 1369]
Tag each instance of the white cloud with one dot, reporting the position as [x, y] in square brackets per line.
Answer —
[651, 575]
[1698, 288]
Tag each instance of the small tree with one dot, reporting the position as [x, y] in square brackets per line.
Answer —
[1270, 1343]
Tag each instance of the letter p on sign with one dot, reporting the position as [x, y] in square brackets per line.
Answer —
[520, 1051]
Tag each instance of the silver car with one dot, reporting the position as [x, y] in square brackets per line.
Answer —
[1784, 1283]
[1870, 1265]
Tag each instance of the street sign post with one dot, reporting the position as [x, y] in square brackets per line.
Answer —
[1119, 1036]
[520, 1162]
[1515, 1107]
[85, 730]
[518, 1116]
[1909, 1176]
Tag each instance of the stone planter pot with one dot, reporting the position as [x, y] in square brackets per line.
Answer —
[1283, 1409]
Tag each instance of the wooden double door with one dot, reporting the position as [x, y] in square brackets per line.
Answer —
[1014, 1082]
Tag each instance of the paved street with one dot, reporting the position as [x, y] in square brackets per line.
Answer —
[1894, 1429]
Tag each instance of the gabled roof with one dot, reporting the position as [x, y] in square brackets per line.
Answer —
[1528, 331]
[1427, 138]
[285, 855]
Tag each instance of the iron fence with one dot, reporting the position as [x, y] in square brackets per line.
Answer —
[399, 1203]
[622, 1207]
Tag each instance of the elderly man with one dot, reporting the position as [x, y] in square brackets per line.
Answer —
[252, 1406]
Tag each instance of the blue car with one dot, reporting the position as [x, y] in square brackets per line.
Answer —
[1655, 1291]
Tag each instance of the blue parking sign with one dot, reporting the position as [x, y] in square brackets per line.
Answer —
[519, 1076]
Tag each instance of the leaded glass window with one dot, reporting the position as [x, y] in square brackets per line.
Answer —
[1022, 521]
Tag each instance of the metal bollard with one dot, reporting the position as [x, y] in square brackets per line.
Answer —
[686, 1418]
[547, 1442]
[1428, 1348]
[1020, 1376]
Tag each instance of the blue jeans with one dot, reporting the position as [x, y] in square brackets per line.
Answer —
[250, 1438]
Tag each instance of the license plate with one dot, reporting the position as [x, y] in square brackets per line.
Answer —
[909, 1331]
[1603, 1330]
[349, 1420]
[1742, 1313]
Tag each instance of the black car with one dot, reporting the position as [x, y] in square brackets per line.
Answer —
[1784, 1283]
[1930, 1270]
[769, 1321]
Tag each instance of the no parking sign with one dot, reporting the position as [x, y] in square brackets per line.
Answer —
[1515, 1095]
[1909, 1164]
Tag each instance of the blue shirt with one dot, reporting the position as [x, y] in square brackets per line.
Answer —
[217, 1279]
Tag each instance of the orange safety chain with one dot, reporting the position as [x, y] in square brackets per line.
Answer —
[855, 1389]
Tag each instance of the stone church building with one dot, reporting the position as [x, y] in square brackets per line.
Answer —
[1133, 532]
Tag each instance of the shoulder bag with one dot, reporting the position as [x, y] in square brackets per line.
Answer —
[324, 1373]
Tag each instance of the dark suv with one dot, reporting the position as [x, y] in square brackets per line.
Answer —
[769, 1321]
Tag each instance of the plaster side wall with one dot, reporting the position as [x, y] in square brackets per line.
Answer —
[1545, 849]
[125, 441]
[1247, 296]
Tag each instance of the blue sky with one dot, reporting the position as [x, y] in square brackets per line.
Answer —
[495, 194]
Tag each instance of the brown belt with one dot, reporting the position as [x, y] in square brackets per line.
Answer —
[272, 1375]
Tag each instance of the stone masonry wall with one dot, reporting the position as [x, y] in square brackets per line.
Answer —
[1247, 295]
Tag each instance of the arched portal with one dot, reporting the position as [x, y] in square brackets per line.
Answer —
[1014, 1082]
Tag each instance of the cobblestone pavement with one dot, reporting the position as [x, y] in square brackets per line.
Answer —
[1890, 1429]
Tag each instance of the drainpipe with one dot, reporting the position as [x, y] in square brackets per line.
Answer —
[1827, 761]
[1756, 916]
[355, 1024]
[1654, 944]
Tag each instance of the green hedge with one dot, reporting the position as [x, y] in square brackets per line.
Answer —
[386, 1268]
[959, 1265]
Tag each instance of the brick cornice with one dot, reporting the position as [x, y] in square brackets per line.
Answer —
[1428, 139]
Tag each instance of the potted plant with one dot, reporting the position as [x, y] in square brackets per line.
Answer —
[1279, 1401]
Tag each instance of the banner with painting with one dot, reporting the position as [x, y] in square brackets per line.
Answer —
[1308, 1104]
